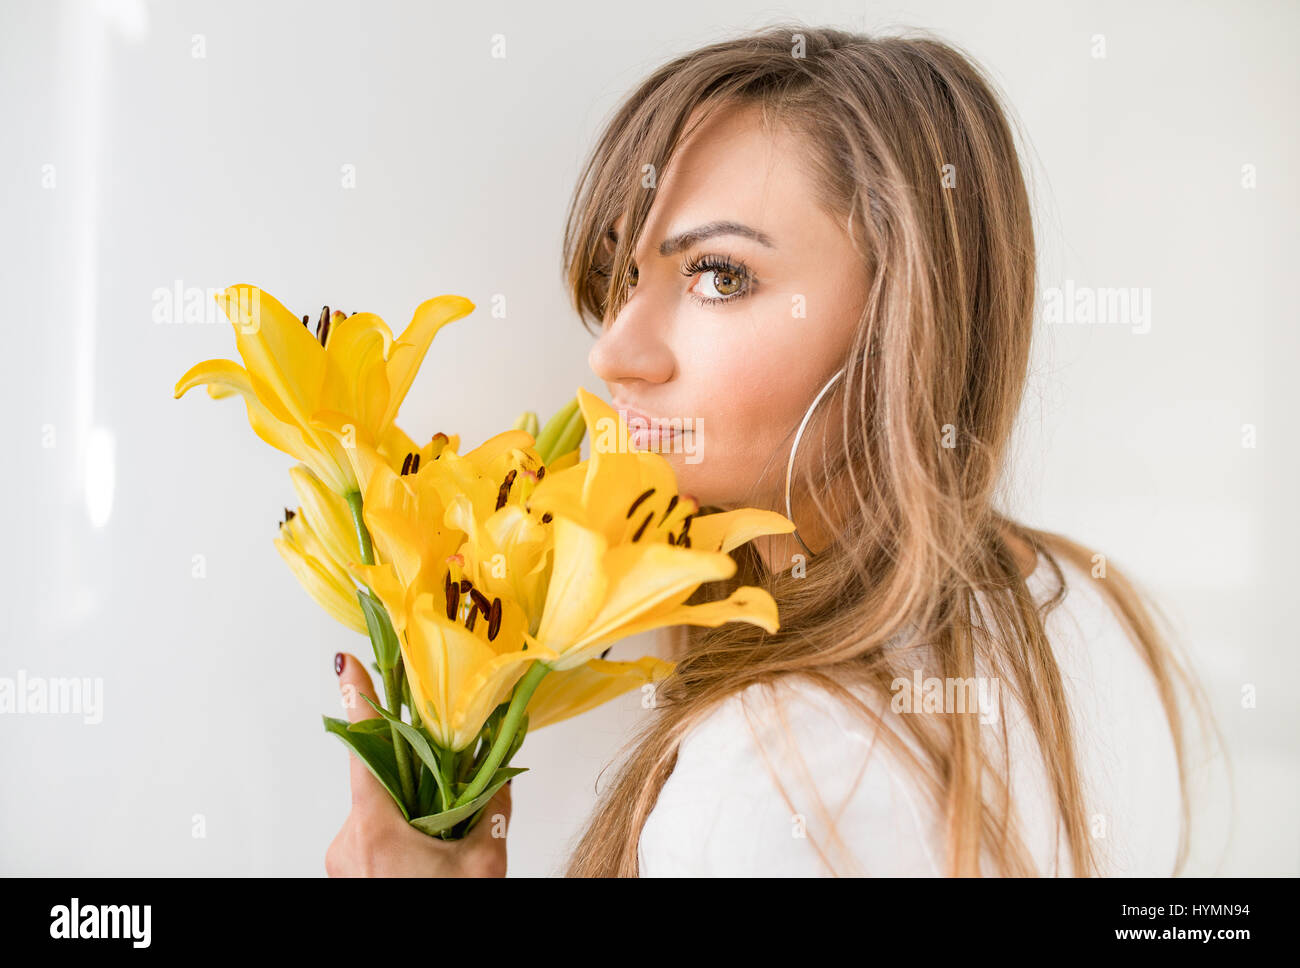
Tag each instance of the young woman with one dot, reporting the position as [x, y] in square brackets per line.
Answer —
[815, 248]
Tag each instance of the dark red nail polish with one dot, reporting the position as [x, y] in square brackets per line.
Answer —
[338, 663]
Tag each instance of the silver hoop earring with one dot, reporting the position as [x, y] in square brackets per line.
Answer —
[789, 467]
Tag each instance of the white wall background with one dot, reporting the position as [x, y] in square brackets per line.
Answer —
[130, 165]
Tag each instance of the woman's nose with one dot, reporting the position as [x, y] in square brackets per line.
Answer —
[634, 346]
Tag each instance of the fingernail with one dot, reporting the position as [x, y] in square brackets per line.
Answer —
[338, 663]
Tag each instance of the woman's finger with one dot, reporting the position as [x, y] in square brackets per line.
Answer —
[495, 820]
[354, 682]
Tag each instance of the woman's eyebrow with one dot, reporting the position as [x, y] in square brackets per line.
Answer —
[684, 240]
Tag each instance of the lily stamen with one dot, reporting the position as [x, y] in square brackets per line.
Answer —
[638, 501]
[323, 325]
[639, 531]
[672, 503]
[480, 600]
[452, 592]
[504, 491]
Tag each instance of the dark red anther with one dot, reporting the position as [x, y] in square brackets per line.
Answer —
[480, 600]
[686, 525]
[672, 503]
[503, 492]
[494, 619]
[452, 592]
[644, 524]
[638, 501]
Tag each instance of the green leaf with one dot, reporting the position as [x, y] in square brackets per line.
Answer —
[426, 791]
[518, 741]
[382, 637]
[438, 822]
[376, 726]
[376, 753]
[428, 756]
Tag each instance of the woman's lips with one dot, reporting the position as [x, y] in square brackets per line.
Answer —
[644, 431]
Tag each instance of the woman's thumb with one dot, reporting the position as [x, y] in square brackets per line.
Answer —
[354, 682]
[496, 817]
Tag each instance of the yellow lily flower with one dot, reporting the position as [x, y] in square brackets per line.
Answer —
[327, 515]
[405, 514]
[505, 549]
[629, 549]
[329, 518]
[463, 651]
[462, 565]
[329, 583]
[563, 695]
[460, 672]
[351, 366]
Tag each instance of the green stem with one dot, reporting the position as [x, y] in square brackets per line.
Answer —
[401, 751]
[363, 534]
[393, 678]
[506, 736]
[447, 761]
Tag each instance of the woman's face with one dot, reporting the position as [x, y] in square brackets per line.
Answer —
[746, 294]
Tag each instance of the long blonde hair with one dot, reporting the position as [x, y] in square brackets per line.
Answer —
[941, 351]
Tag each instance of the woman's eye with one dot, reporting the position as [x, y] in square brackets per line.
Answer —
[720, 284]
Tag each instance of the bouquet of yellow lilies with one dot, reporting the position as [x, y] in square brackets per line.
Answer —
[490, 583]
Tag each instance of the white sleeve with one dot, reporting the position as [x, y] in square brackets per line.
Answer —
[785, 780]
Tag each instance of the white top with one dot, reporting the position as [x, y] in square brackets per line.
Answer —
[723, 812]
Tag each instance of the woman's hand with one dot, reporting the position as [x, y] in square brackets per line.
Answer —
[376, 840]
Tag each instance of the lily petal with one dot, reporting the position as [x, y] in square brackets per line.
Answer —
[563, 694]
[328, 514]
[407, 353]
[283, 436]
[726, 530]
[746, 604]
[338, 601]
[578, 585]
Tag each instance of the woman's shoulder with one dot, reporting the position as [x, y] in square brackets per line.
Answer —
[1122, 736]
[790, 777]
[784, 778]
